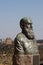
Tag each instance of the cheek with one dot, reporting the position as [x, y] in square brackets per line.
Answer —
[26, 29]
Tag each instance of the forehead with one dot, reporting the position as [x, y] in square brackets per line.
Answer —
[27, 23]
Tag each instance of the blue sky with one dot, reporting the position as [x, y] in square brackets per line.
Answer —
[11, 11]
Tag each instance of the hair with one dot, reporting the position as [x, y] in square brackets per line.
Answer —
[21, 23]
[24, 21]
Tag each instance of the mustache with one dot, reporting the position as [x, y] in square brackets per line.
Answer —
[29, 31]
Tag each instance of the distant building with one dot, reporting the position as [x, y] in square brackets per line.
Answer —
[3, 41]
[0, 40]
[40, 47]
[8, 40]
[40, 42]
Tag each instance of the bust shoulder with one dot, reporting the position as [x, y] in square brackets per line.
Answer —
[20, 36]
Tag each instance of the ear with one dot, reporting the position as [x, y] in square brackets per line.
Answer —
[21, 26]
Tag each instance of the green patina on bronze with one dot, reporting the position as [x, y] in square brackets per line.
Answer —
[25, 42]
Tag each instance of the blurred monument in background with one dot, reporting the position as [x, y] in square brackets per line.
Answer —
[25, 45]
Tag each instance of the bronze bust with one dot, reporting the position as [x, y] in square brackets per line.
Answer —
[25, 42]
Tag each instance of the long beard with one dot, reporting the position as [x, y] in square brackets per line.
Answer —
[29, 34]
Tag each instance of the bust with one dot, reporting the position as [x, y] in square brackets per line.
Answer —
[25, 42]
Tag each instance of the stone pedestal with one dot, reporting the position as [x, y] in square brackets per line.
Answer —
[27, 59]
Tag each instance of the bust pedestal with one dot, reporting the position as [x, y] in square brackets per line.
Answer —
[27, 59]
